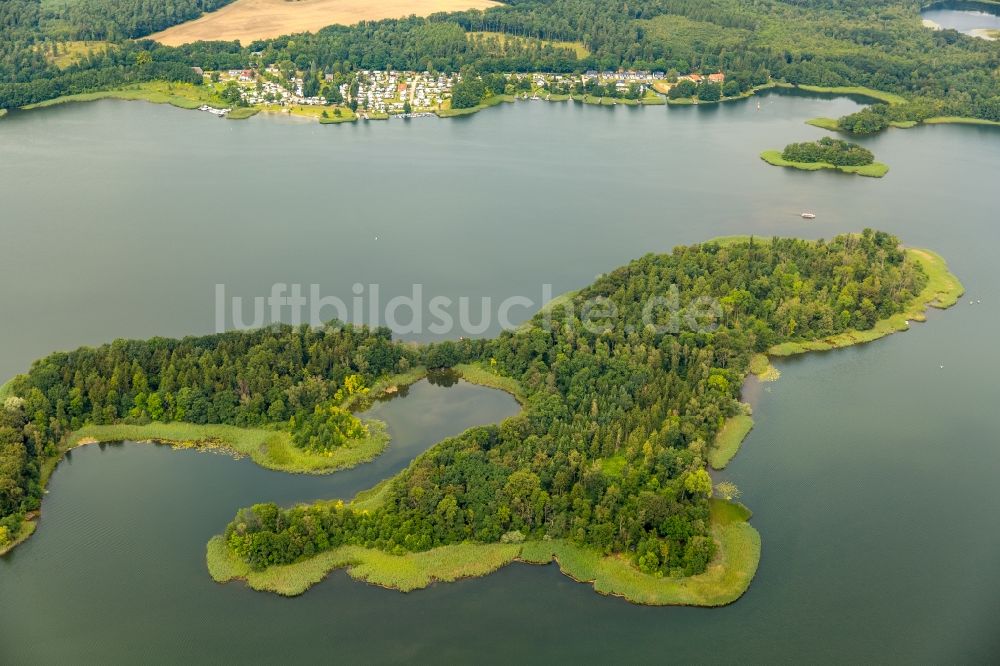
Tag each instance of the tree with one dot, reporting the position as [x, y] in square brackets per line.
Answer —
[467, 94]
[310, 84]
[709, 92]
[607, 453]
[333, 95]
[683, 89]
[233, 94]
[698, 482]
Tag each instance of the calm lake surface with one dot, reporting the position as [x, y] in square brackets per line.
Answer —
[871, 471]
[964, 16]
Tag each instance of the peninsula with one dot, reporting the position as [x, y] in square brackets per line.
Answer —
[604, 470]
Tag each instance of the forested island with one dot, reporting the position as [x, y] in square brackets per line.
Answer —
[604, 469]
[50, 50]
[827, 153]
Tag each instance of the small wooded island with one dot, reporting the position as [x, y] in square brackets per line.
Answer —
[827, 153]
[603, 471]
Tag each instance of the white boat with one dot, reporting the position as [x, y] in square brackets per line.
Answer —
[809, 216]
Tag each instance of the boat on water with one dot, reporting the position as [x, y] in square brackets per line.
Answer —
[809, 216]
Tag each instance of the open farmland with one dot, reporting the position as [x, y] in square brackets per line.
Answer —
[247, 20]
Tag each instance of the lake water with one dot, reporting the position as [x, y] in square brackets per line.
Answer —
[964, 16]
[871, 471]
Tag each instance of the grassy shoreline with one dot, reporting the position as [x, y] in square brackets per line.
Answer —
[725, 581]
[190, 97]
[873, 170]
[727, 578]
[476, 373]
[181, 95]
[942, 291]
[492, 101]
[27, 529]
[960, 120]
[728, 440]
[857, 91]
[833, 125]
[271, 449]
[760, 365]
[694, 101]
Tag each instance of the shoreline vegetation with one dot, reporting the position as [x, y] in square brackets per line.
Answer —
[989, 34]
[191, 97]
[827, 153]
[27, 528]
[873, 170]
[942, 291]
[890, 99]
[760, 366]
[270, 448]
[476, 373]
[833, 125]
[100, 44]
[726, 579]
[180, 95]
[728, 441]
[697, 101]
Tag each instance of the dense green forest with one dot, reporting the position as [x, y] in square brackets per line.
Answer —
[608, 452]
[831, 151]
[297, 378]
[118, 19]
[876, 43]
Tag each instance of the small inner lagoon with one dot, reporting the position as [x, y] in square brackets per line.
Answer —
[979, 19]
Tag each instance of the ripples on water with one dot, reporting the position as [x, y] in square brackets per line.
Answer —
[870, 470]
